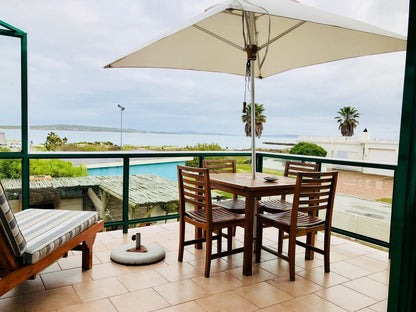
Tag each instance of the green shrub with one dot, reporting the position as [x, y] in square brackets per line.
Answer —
[309, 149]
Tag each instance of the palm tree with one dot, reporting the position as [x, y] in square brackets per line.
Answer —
[347, 120]
[260, 119]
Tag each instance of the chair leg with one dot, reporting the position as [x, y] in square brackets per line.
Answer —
[230, 234]
[259, 240]
[280, 241]
[208, 247]
[219, 241]
[198, 234]
[292, 254]
[181, 239]
[310, 240]
[327, 244]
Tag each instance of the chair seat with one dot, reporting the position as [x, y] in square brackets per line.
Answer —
[275, 205]
[47, 229]
[219, 215]
[234, 205]
[304, 220]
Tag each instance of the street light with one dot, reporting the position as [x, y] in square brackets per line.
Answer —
[122, 108]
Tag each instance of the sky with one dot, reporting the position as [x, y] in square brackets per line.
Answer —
[69, 43]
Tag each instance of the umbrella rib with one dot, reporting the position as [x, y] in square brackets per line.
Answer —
[282, 34]
[218, 37]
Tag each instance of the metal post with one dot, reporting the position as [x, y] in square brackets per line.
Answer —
[122, 108]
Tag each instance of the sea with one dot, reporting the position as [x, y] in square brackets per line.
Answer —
[155, 139]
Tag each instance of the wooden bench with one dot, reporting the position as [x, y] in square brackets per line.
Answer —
[33, 239]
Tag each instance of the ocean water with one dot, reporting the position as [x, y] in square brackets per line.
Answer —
[153, 139]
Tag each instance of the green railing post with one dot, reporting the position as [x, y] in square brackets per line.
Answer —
[126, 183]
[259, 163]
[25, 123]
[402, 291]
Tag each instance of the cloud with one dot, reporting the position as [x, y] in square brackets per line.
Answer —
[69, 43]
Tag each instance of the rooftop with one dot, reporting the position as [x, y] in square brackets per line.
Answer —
[358, 280]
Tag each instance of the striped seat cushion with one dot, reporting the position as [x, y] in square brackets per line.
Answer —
[47, 229]
[10, 227]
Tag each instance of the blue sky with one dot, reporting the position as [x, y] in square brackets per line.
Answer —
[70, 41]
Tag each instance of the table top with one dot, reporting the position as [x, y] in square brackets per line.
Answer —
[245, 181]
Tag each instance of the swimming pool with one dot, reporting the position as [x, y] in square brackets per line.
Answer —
[167, 170]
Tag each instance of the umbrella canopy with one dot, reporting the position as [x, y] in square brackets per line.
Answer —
[274, 35]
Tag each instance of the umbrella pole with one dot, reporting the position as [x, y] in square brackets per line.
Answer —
[253, 121]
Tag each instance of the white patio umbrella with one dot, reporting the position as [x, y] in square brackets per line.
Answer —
[260, 38]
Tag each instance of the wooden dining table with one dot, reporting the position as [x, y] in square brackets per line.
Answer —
[252, 189]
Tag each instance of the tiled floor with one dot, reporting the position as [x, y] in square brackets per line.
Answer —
[358, 281]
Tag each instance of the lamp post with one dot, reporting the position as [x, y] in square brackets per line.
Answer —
[122, 108]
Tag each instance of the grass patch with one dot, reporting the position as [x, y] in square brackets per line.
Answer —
[385, 200]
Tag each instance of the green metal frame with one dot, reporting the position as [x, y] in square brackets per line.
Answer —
[402, 291]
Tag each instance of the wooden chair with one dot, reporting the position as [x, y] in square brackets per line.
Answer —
[195, 193]
[314, 191]
[236, 205]
[292, 168]
[23, 254]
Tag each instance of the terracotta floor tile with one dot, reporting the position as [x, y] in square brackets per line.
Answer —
[346, 298]
[297, 288]
[379, 307]
[65, 278]
[141, 280]
[369, 287]
[217, 265]
[50, 300]
[276, 308]
[103, 255]
[349, 270]
[278, 267]
[180, 271]
[263, 294]
[182, 291]
[190, 306]
[381, 277]
[74, 261]
[99, 289]
[142, 300]
[105, 270]
[103, 305]
[368, 263]
[218, 282]
[259, 275]
[226, 301]
[14, 304]
[318, 276]
[311, 303]
[27, 287]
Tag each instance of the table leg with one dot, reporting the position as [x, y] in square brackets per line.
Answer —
[248, 234]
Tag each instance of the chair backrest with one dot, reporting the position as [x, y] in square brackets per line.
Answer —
[220, 165]
[293, 168]
[194, 189]
[315, 191]
[9, 226]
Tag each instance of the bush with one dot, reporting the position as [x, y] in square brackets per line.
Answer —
[309, 149]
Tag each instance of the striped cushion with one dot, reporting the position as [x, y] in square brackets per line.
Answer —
[10, 226]
[47, 229]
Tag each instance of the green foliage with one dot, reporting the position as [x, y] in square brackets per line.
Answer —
[259, 116]
[201, 147]
[12, 168]
[347, 120]
[54, 142]
[204, 147]
[309, 149]
[56, 168]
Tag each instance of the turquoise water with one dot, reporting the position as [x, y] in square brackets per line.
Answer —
[167, 170]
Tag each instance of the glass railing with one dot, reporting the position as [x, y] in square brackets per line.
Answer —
[137, 189]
